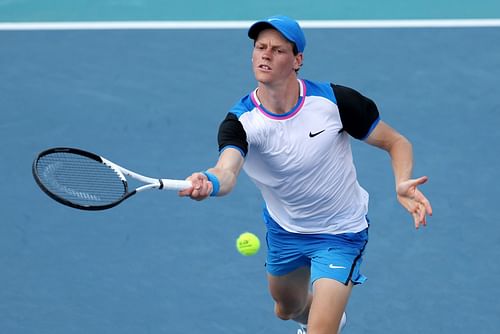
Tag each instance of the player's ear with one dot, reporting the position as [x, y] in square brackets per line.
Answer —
[299, 58]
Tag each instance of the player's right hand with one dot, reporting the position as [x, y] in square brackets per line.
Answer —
[201, 189]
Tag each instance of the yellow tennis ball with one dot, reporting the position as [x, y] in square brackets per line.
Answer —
[248, 244]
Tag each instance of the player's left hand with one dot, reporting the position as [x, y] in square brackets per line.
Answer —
[414, 201]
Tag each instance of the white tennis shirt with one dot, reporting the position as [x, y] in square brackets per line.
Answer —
[302, 160]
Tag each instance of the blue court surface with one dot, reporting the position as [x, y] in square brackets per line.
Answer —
[152, 100]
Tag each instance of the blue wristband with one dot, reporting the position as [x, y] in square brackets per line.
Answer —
[215, 182]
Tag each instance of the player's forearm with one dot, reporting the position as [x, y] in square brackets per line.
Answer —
[398, 147]
[227, 170]
[401, 153]
[226, 179]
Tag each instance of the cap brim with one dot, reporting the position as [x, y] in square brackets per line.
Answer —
[257, 27]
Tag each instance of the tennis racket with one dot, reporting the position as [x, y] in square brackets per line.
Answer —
[86, 181]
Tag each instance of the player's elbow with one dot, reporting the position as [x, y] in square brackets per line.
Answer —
[400, 143]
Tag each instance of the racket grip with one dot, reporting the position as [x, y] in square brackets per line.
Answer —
[168, 184]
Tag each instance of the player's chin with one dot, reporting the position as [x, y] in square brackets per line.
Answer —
[263, 77]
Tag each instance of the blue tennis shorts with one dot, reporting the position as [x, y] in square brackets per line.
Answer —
[335, 256]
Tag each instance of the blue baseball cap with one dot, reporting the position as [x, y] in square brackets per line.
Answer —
[288, 27]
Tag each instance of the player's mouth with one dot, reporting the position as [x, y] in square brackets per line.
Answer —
[265, 67]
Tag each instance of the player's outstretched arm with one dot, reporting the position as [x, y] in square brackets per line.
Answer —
[400, 150]
[219, 180]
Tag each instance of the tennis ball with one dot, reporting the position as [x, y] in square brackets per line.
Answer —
[248, 244]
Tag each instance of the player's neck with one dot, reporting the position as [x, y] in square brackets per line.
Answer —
[279, 98]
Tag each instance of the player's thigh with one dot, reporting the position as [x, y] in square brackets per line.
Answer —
[291, 288]
[330, 298]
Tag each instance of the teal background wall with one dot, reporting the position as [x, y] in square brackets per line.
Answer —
[111, 10]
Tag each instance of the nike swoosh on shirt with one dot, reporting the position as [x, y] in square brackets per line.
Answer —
[331, 266]
[316, 133]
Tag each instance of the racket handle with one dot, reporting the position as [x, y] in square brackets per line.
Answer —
[168, 184]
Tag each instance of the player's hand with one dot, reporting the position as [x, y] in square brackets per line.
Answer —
[201, 189]
[414, 201]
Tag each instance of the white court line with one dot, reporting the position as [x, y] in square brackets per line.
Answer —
[313, 24]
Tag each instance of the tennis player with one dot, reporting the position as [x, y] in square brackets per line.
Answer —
[292, 137]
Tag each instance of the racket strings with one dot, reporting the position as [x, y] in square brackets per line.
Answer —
[80, 180]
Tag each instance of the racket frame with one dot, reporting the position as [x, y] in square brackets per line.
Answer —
[150, 183]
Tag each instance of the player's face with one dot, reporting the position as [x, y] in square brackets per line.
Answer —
[273, 59]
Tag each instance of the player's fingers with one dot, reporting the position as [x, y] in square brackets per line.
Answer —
[416, 220]
[419, 215]
[187, 191]
[409, 187]
[421, 180]
[414, 210]
[197, 184]
[424, 204]
[427, 206]
[202, 188]
[422, 212]
[196, 194]
[424, 221]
